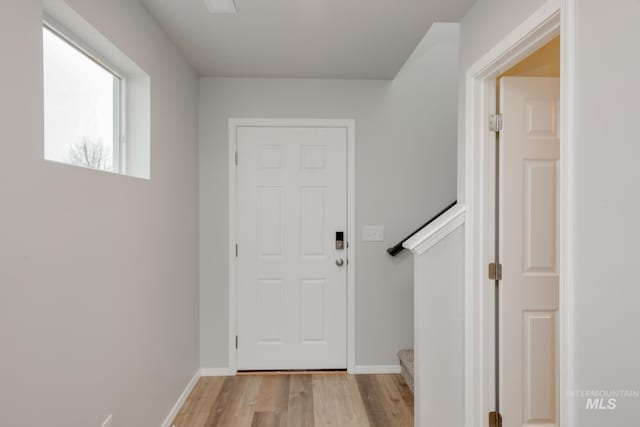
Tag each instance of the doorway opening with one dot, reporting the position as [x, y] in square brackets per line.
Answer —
[519, 204]
[525, 270]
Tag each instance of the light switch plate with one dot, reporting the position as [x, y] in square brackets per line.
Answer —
[373, 233]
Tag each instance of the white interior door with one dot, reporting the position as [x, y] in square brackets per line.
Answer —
[530, 149]
[292, 292]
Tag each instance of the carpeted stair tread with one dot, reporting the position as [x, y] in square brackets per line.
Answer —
[406, 363]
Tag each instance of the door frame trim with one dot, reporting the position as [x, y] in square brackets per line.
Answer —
[350, 126]
[553, 18]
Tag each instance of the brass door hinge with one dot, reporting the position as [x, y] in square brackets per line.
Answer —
[495, 271]
[495, 419]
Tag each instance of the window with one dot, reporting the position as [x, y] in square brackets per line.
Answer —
[83, 107]
[97, 100]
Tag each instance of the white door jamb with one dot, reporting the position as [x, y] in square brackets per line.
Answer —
[553, 18]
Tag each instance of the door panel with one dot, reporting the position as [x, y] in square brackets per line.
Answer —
[270, 212]
[312, 309]
[270, 310]
[540, 207]
[529, 293]
[312, 216]
[292, 296]
[539, 334]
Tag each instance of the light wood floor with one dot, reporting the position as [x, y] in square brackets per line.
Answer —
[307, 400]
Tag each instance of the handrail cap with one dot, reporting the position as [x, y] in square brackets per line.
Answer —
[433, 233]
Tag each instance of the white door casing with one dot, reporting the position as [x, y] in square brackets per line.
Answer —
[291, 201]
[529, 291]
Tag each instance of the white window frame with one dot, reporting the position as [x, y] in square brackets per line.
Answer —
[119, 87]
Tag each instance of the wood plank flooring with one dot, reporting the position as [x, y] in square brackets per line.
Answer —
[309, 400]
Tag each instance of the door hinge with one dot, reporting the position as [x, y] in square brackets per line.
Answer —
[495, 419]
[496, 122]
[236, 250]
[495, 271]
[236, 158]
[236, 342]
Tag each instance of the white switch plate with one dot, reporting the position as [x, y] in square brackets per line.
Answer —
[373, 233]
[107, 422]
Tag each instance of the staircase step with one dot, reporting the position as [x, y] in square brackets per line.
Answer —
[406, 363]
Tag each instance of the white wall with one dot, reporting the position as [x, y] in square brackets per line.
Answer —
[439, 355]
[607, 207]
[406, 151]
[98, 272]
[607, 232]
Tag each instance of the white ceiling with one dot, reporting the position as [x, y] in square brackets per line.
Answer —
[363, 39]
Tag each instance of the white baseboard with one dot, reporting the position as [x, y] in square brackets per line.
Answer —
[183, 397]
[217, 372]
[377, 369]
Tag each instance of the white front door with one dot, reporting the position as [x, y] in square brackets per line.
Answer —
[529, 292]
[291, 283]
